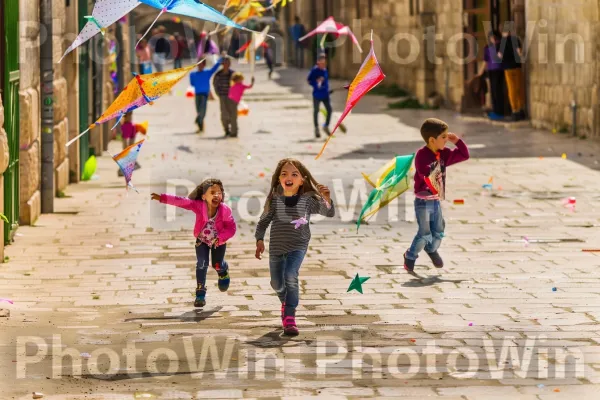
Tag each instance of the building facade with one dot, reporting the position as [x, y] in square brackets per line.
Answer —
[436, 46]
[80, 90]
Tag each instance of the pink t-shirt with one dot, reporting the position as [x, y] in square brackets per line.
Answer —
[128, 130]
[236, 91]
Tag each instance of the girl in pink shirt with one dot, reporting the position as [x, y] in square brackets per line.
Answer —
[236, 91]
[214, 227]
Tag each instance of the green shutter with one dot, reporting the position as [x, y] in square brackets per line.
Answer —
[84, 109]
[10, 100]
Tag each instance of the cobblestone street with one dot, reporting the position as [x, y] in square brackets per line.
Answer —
[108, 280]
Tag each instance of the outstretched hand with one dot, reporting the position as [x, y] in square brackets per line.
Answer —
[325, 192]
[155, 196]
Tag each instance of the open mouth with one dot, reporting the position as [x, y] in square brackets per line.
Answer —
[215, 202]
[289, 184]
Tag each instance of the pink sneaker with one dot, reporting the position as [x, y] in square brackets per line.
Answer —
[289, 326]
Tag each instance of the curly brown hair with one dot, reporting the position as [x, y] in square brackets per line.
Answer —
[197, 193]
[309, 186]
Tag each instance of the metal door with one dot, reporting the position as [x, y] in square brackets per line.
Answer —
[9, 77]
[84, 107]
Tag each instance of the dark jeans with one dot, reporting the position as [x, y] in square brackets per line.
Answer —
[498, 85]
[229, 115]
[316, 104]
[284, 278]
[177, 63]
[217, 256]
[299, 56]
[201, 101]
[431, 228]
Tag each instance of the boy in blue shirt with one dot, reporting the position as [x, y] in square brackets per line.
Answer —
[318, 78]
[200, 80]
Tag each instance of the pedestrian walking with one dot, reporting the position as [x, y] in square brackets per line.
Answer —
[200, 80]
[293, 197]
[214, 226]
[222, 83]
[431, 161]
[510, 53]
[180, 45]
[495, 72]
[318, 78]
[297, 31]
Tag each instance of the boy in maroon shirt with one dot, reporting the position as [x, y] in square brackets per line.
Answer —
[430, 182]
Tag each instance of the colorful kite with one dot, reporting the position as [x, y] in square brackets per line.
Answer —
[126, 161]
[369, 76]
[329, 26]
[388, 182]
[250, 48]
[141, 90]
[107, 12]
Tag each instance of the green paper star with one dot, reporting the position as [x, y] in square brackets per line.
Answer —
[357, 282]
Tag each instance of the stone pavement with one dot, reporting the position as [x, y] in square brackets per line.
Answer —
[103, 288]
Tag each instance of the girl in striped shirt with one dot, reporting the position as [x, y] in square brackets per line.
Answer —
[294, 196]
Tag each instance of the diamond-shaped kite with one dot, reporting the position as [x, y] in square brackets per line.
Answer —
[369, 76]
[141, 90]
[330, 26]
[126, 161]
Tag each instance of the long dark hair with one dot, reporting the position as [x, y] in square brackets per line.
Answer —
[309, 186]
[197, 193]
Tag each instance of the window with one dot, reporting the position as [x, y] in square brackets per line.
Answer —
[415, 7]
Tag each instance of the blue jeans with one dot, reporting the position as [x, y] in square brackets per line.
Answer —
[177, 63]
[201, 100]
[217, 256]
[284, 278]
[431, 228]
[299, 56]
[316, 104]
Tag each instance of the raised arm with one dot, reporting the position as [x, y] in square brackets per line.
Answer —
[458, 154]
[216, 66]
[181, 202]
[320, 206]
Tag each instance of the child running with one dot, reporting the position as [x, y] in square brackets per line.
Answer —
[318, 78]
[214, 227]
[430, 183]
[236, 92]
[294, 196]
[128, 132]
[200, 80]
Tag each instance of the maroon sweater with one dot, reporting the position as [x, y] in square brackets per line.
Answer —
[426, 161]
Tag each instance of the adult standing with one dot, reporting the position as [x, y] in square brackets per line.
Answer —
[222, 83]
[510, 53]
[297, 31]
[144, 56]
[161, 50]
[495, 72]
[180, 45]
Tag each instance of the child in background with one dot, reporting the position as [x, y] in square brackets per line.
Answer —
[236, 92]
[430, 181]
[128, 131]
[294, 196]
[318, 78]
[200, 80]
[213, 228]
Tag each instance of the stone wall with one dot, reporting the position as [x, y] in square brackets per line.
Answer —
[558, 77]
[29, 103]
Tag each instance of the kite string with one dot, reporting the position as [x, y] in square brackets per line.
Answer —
[70, 142]
[164, 10]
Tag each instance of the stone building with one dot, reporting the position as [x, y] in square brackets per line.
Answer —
[80, 91]
[436, 46]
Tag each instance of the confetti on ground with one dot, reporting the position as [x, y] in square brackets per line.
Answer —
[541, 385]
[249, 157]
[413, 340]
[591, 250]
[470, 324]
[556, 390]
[109, 246]
[564, 156]
[357, 282]
[554, 289]
[459, 201]
[262, 175]
[6, 301]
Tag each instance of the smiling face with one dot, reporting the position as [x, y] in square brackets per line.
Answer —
[438, 143]
[290, 179]
[213, 196]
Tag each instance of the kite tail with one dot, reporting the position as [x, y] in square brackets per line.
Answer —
[118, 120]
[130, 185]
[70, 142]
[323, 148]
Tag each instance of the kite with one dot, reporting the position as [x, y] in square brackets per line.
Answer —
[141, 128]
[369, 76]
[258, 40]
[299, 222]
[357, 282]
[389, 182]
[329, 26]
[126, 161]
[107, 12]
[141, 90]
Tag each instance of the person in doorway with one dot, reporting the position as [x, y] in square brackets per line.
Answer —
[180, 45]
[495, 73]
[161, 50]
[510, 53]
[297, 31]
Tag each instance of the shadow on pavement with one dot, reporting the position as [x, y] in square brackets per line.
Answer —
[429, 281]
[196, 315]
[275, 339]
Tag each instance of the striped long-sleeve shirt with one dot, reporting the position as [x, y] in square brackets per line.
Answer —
[284, 235]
